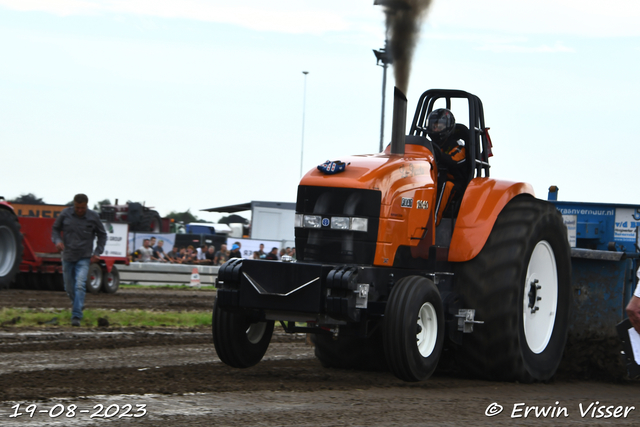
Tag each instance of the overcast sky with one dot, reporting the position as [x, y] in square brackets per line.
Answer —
[193, 104]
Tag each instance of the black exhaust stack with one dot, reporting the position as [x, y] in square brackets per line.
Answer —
[398, 128]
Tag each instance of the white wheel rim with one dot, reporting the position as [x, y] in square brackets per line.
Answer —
[110, 282]
[255, 332]
[94, 279]
[427, 334]
[8, 250]
[540, 301]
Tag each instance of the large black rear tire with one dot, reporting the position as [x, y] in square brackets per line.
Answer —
[413, 328]
[10, 247]
[151, 222]
[239, 341]
[519, 285]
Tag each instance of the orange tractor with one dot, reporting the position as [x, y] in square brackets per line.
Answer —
[392, 266]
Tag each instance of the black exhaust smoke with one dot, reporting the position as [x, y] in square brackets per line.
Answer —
[399, 124]
[404, 19]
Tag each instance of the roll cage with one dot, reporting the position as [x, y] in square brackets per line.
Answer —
[478, 150]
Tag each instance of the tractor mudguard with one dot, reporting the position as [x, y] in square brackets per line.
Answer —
[483, 200]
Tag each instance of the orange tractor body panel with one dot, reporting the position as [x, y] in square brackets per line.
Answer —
[408, 188]
[481, 204]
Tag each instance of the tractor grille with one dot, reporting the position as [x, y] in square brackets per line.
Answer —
[338, 246]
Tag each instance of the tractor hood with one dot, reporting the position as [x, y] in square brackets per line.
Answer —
[384, 172]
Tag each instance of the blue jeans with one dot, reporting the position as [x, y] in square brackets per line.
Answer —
[75, 283]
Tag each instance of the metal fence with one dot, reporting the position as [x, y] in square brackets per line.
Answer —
[161, 273]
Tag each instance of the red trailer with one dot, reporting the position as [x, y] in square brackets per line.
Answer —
[41, 266]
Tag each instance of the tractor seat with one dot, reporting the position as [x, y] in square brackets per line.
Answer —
[420, 140]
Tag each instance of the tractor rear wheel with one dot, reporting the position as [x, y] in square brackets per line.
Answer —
[94, 279]
[10, 247]
[151, 222]
[239, 341]
[413, 328]
[519, 285]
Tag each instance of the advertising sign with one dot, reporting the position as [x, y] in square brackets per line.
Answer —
[116, 245]
[136, 239]
[248, 246]
[571, 222]
[627, 219]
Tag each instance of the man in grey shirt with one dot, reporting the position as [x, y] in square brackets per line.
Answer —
[79, 227]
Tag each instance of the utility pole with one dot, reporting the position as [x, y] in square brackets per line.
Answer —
[384, 57]
[304, 106]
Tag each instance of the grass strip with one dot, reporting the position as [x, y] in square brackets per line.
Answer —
[29, 317]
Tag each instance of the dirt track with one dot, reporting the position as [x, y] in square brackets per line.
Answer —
[155, 299]
[182, 382]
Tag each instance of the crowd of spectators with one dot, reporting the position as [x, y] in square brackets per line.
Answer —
[204, 255]
[273, 255]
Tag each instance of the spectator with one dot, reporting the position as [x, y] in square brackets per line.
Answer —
[190, 257]
[273, 255]
[282, 252]
[235, 251]
[293, 253]
[152, 242]
[173, 254]
[210, 256]
[182, 256]
[261, 252]
[256, 255]
[158, 252]
[221, 256]
[200, 253]
[146, 253]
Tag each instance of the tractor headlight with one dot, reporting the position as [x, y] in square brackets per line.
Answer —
[312, 221]
[359, 224]
[340, 222]
[337, 222]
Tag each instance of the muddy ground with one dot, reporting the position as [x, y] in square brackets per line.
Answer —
[145, 299]
[179, 378]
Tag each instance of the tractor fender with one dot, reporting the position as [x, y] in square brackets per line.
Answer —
[483, 200]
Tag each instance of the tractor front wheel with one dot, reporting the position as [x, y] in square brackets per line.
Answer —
[413, 331]
[519, 285]
[239, 341]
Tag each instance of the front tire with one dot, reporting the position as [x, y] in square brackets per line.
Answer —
[94, 279]
[239, 341]
[413, 328]
[519, 285]
[10, 248]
